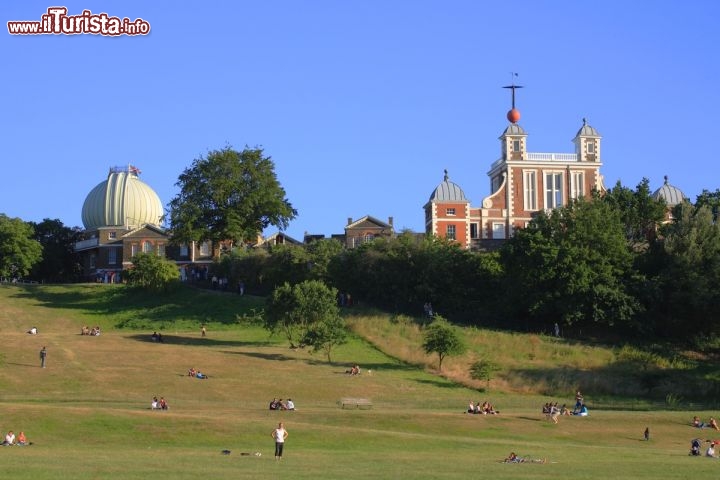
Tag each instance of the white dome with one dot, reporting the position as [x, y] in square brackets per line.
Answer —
[122, 200]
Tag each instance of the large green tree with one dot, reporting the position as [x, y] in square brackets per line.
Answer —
[689, 302]
[19, 251]
[307, 314]
[60, 263]
[228, 196]
[639, 212]
[573, 266]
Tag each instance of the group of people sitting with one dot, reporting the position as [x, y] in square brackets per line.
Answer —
[11, 440]
[159, 404]
[696, 443]
[93, 332]
[553, 412]
[279, 404]
[484, 408]
[712, 423]
[354, 370]
[196, 374]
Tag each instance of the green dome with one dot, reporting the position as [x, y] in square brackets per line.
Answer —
[121, 200]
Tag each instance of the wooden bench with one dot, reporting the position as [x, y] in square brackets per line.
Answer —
[355, 402]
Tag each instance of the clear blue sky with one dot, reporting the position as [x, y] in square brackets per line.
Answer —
[361, 104]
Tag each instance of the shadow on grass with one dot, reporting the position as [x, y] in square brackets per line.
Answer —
[197, 342]
[265, 356]
[441, 383]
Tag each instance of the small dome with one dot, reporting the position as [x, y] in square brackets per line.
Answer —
[671, 194]
[448, 191]
[587, 131]
[514, 129]
[121, 200]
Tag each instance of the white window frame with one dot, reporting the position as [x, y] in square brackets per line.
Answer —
[451, 232]
[498, 229]
[134, 249]
[112, 235]
[147, 246]
[530, 190]
[577, 184]
[553, 189]
[474, 230]
[161, 250]
[450, 212]
[590, 147]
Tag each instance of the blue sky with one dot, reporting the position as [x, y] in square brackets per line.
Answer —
[361, 104]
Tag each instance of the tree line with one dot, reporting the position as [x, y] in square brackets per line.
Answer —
[620, 262]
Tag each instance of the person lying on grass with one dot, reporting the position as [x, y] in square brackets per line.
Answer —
[513, 458]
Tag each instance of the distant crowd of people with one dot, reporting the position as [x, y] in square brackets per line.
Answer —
[93, 332]
[279, 404]
[484, 408]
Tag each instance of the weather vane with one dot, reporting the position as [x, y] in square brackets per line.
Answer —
[514, 114]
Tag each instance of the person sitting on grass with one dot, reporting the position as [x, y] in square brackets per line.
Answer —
[697, 423]
[275, 404]
[713, 424]
[22, 440]
[290, 405]
[710, 452]
[564, 410]
[471, 407]
[163, 404]
[514, 458]
[9, 439]
[200, 375]
[155, 404]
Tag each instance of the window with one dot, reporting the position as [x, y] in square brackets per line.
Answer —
[133, 249]
[450, 212]
[205, 249]
[473, 230]
[161, 249]
[147, 246]
[553, 190]
[112, 256]
[577, 185]
[516, 145]
[498, 230]
[450, 232]
[369, 237]
[530, 193]
[183, 250]
[590, 147]
[495, 183]
[112, 235]
[92, 261]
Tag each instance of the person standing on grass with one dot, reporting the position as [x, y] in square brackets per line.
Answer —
[43, 356]
[279, 434]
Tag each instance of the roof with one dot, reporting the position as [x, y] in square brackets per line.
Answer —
[671, 194]
[448, 191]
[368, 221]
[514, 129]
[586, 130]
[122, 200]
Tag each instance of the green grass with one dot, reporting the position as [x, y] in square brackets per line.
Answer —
[88, 412]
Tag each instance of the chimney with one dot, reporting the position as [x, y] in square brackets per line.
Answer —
[349, 220]
[390, 220]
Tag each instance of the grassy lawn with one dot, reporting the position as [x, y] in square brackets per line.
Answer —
[88, 412]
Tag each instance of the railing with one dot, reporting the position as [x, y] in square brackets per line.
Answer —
[542, 157]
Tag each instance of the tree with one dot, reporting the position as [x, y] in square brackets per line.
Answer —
[60, 263]
[440, 337]
[307, 314]
[573, 264]
[484, 370]
[153, 272]
[228, 196]
[640, 213]
[18, 250]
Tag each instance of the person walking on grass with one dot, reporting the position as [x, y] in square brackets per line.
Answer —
[279, 435]
[43, 356]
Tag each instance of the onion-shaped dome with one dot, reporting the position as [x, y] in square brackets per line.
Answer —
[448, 191]
[122, 200]
[671, 194]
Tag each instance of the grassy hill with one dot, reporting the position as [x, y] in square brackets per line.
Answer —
[89, 418]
